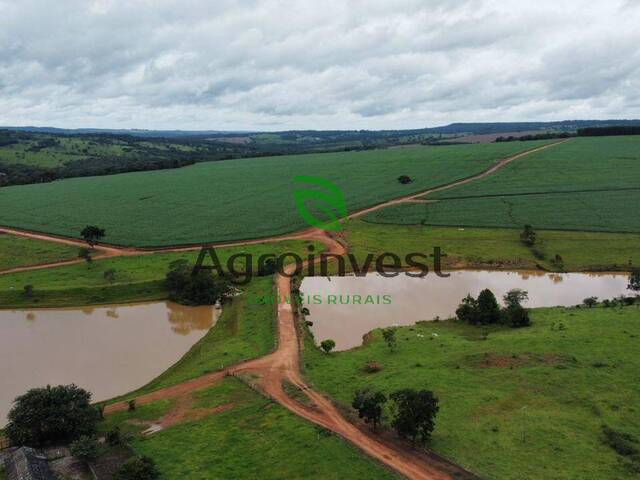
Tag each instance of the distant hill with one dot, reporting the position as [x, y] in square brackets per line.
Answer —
[451, 129]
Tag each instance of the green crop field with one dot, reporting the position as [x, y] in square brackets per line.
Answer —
[21, 252]
[588, 184]
[554, 400]
[232, 200]
[584, 163]
[611, 211]
[252, 438]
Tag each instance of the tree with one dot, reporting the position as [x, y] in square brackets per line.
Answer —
[528, 236]
[590, 301]
[389, 335]
[516, 316]
[137, 468]
[92, 234]
[404, 179]
[48, 415]
[488, 308]
[369, 405]
[515, 297]
[327, 345]
[467, 311]
[634, 281]
[85, 448]
[415, 414]
[203, 288]
[28, 291]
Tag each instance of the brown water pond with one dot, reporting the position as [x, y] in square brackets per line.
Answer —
[106, 350]
[339, 311]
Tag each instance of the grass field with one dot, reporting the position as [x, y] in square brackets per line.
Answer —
[529, 403]
[21, 252]
[137, 278]
[497, 248]
[255, 438]
[611, 211]
[230, 200]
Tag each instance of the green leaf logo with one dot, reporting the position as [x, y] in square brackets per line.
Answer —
[320, 202]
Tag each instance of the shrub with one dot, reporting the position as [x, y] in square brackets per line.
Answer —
[590, 301]
[327, 345]
[114, 437]
[28, 291]
[49, 415]
[137, 468]
[404, 179]
[528, 236]
[85, 448]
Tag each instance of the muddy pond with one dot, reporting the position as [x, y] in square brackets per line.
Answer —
[339, 309]
[106, 350]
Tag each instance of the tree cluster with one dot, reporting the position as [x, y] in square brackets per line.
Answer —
[201, 288]
[485, 310]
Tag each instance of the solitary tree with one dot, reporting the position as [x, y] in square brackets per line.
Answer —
[514, 313]
[327, 345]
[369, 405]
[528, 236]
[389, 335]
[404, 179]
[92, 234]
[50, 415]
[416, 412]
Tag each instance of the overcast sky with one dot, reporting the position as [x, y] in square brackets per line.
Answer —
[268, 65]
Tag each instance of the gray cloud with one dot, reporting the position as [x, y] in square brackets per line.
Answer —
[278, 64]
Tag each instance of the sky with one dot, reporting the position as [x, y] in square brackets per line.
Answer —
[316, 64]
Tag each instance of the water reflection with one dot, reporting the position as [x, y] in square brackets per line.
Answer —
[415, 299]
[107, 350]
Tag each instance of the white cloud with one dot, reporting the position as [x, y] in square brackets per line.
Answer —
[277, 64]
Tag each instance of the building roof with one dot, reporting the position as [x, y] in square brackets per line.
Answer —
[27, 464]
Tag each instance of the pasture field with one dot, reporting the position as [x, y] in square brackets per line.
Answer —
[583, 163]
[497, 248]
[20, 252]
[606, 211]
[251, 437]
[230, 200]
[555, 400]
[136, 278]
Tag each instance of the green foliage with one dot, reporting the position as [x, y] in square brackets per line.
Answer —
[28, 291]
[528, 236]
[590, 301]
[85, 448]
[51, 414]
[369, 405]
[488, 309]
[389, 335]
[634, 281]
[114, 436]
[137, 468]
[415, 414]
[180, 206]
[92, 234]
[327, 345]
[203, 288]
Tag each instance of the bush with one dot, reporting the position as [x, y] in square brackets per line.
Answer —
[85, 448]
[516, 316]
[114, 437]
[49, 415]
[590, 301]
[404, 179]
[327, 345]
[28, 291]
[528, 236]
[137, 468]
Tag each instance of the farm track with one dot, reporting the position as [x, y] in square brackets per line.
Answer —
[283, 364]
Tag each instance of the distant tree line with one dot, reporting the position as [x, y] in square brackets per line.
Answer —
[609, 131]
[537, 136]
